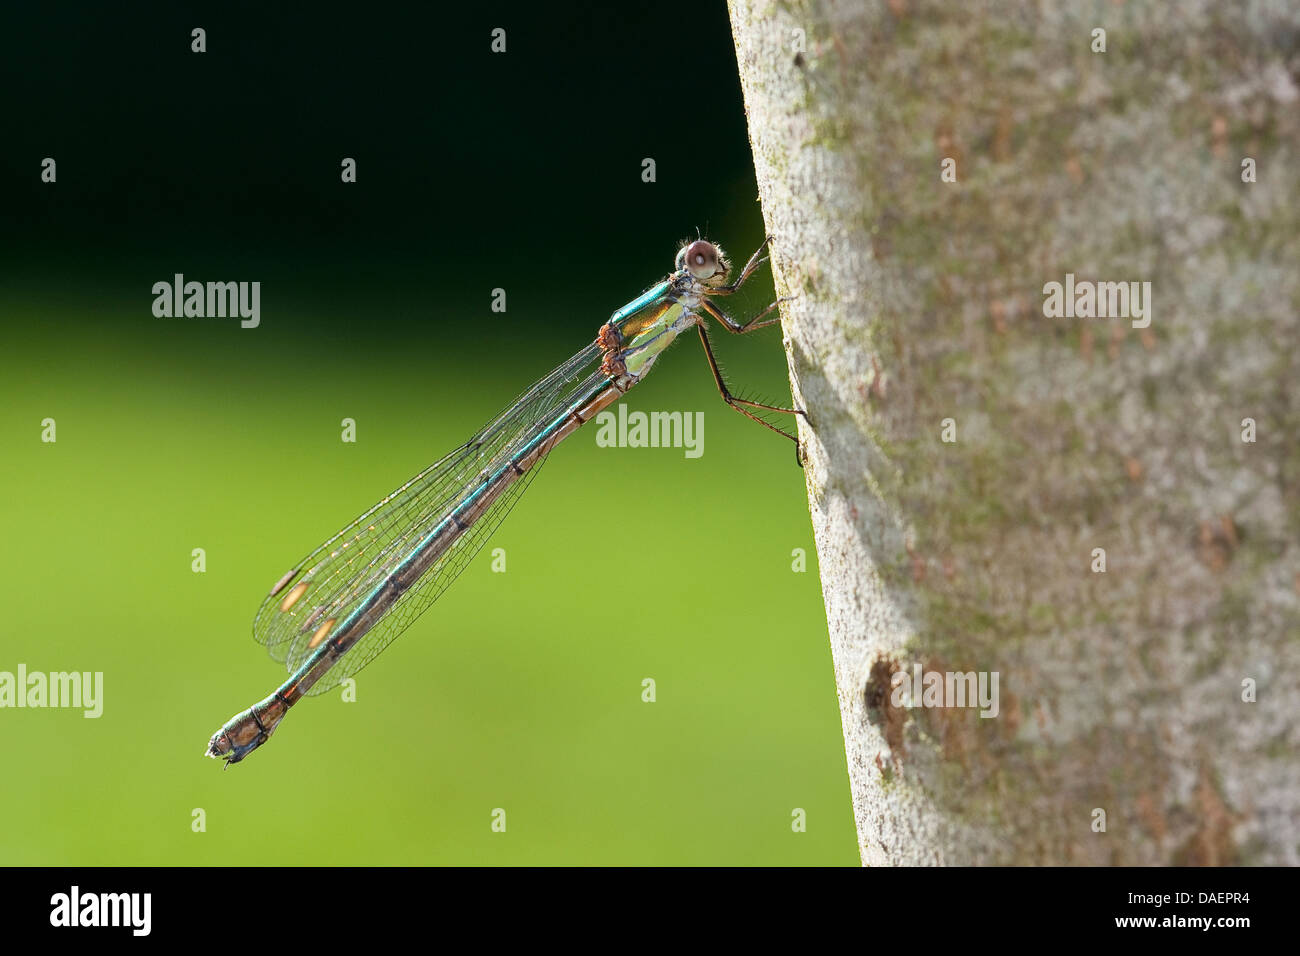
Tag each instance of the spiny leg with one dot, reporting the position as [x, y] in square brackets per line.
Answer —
[753, 263]
[731, 325]
[738, 403]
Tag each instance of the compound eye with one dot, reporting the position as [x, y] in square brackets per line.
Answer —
[701, 259]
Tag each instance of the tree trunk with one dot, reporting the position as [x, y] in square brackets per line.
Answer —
[976, 458]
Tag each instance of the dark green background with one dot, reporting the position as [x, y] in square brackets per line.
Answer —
[519, 690]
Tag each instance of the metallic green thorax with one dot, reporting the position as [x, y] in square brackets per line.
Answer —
[649, 324]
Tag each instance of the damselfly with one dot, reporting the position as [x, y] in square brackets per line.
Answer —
[339, 607]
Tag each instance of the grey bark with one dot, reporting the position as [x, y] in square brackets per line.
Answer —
[918, 300]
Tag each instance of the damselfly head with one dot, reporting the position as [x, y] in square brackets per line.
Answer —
[705, 261]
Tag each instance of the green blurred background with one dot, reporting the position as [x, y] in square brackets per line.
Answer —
[519, 690]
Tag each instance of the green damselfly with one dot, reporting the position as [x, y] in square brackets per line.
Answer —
[339, 607]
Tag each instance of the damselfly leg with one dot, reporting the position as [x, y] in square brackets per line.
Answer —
[738, 328]
[739, 403]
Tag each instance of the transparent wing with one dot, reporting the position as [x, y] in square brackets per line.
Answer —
[327, 585]
[423, 593]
